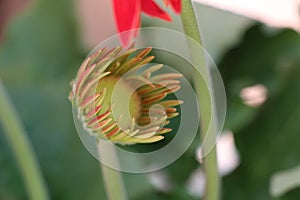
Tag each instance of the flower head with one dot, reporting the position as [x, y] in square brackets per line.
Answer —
[128, 14]
[117, 103]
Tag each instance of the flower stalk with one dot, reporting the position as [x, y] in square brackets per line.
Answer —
[113, 181]
[190, 25]
[22, 148]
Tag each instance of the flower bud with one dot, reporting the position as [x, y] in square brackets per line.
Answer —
[117, 99]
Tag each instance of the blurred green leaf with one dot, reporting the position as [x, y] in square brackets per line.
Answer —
[37, 60]
[267, 137]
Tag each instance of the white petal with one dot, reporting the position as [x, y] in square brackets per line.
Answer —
[279, 13]
[160, 180]
[228, 157]
[284, 181]
[196, 183]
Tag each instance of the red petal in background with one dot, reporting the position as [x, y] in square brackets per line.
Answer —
[138, 25]
[152, 9]
[127, 17]
[176, 5]
[8, 9]
[166, 2]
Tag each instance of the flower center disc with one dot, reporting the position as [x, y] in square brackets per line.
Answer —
[117, 99]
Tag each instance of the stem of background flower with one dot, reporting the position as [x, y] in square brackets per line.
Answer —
[22, 148]
[190, 25]
[113, 180]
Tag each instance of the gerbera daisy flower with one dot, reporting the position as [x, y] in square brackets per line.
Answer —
[128, 14]
[118, 102]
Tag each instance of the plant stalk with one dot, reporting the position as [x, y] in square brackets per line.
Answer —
[191, 29]
[112, 178]
[22, 149]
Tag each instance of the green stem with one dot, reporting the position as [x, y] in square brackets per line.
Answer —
[22, 148]
[190, 25]
[113, 180]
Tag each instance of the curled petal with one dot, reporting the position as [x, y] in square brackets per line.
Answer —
[152, 9]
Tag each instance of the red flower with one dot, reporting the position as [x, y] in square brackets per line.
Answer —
[128, 14]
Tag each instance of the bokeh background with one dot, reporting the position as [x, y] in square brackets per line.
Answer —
[43, 43]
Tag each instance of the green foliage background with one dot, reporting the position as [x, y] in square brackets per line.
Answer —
[41, 54]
